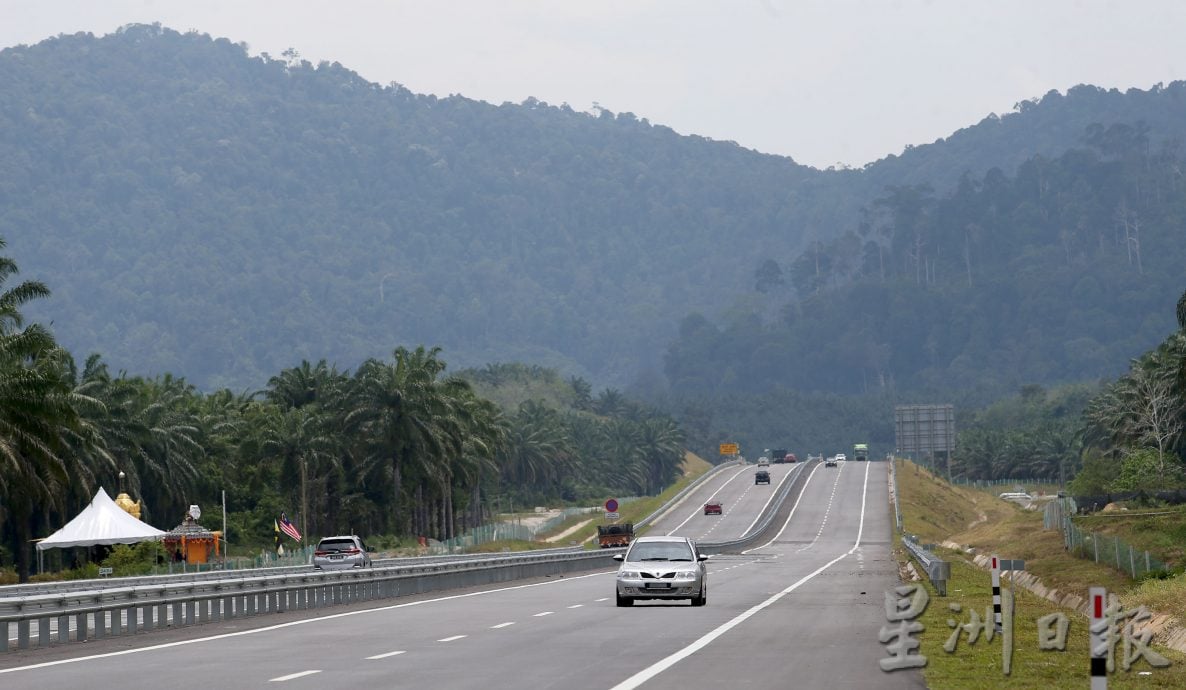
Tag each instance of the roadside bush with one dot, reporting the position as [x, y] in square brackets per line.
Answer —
[134, 559]
[1095, 477]
[1143, 470]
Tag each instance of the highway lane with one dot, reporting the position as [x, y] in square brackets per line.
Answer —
[741, 500]
[814, 627]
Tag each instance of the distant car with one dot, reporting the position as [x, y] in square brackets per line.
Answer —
[830, 462]
[761, 477]
[790, 457]
[662, 568]
[341, 553]
[841, 457]
[763, 462]
[714, 508]
[1016, 496]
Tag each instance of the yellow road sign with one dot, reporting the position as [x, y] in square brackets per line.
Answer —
[729, 449]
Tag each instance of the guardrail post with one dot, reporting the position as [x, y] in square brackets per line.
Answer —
[178, 615]
[100, 624]
[133, 612]
[63, 629]
[80, 625]
[43, 631]
[116, 621]
[3, 636]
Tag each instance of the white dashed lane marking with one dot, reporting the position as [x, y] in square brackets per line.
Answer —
[576, 606]
[384, 656]
[544, 613]
[827, 512]
[450, 639]
[290, 676]
[502, 625]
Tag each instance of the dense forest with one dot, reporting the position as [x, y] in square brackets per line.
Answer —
[202, 211]
[1059, 273]
[396, 447]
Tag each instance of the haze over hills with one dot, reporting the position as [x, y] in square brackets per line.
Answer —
[222, 217]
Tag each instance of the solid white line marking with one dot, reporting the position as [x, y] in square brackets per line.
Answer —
[290, 676]
[450, 639]
[700, 508]
[576, 606]
[545, 613]
[773, 493]
[167, 645]
[384, 656]
[502, 625]
[662, 665]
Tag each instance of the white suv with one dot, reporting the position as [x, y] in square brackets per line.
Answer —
[841, 457]
[335, 553]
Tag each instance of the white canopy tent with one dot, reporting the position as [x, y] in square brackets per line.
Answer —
[101, 522]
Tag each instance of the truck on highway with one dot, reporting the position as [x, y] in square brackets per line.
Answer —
[609, 536]
[779, 455]
[860, 452]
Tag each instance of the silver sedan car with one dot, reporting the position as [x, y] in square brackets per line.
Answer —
[662, 568]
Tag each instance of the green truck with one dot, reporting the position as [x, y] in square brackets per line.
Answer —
[860, 452]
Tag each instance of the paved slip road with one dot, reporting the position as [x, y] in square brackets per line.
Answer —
[802, 611]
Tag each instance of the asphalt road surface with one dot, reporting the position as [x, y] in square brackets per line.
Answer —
[802, 611]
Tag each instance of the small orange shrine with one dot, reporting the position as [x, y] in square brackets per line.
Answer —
[191, 543]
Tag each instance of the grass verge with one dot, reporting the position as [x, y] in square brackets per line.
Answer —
[693, 467]
[979, 665]
[937, 511]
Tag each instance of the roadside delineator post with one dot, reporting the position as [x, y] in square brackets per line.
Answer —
[996, 593]
[1099, 641]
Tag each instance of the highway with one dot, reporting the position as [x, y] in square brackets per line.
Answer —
[801, 611]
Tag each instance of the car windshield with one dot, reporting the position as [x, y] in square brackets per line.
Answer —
[660, 551]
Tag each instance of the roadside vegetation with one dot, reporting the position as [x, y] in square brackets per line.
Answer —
[692, 468]
[395, 450]
[936, 512]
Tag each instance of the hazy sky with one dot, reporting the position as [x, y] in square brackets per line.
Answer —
[824, 81]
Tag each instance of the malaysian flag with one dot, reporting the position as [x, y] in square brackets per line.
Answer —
[289, 528]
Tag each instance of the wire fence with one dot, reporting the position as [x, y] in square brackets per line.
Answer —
[514, 530]
[1102, 548]
[987, 483]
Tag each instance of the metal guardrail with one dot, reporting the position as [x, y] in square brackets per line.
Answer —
[42, 620]
[938, 570]
[793, 482]
[64, 586]
[53, 613]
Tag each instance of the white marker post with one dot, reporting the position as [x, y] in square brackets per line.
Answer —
[1098, 597]
[996, 593]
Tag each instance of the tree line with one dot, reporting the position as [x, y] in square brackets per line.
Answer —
[396, 447]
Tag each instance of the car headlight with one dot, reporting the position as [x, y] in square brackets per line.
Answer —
[629, 575]
[686, 575]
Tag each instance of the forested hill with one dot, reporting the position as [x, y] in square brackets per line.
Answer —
[221, 217]
[1063, 272]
